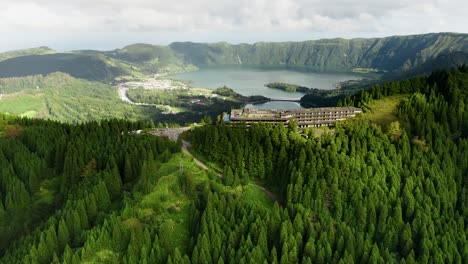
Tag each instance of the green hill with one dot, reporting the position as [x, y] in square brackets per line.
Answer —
[98, 192]
[80, 66]
[442, 61]
[152, 58]
[25, 52]
[397, 53]
[134, 61]
[59, 96]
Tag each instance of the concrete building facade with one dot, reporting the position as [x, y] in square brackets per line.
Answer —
[309, 117]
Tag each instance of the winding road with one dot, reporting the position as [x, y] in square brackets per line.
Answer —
[186, 145]
[123, 96]
[174, 133]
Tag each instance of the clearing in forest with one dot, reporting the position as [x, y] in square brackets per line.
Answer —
[383, 111]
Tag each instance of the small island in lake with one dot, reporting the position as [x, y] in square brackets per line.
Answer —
[228, 92]
[318, 97]
[290, 88]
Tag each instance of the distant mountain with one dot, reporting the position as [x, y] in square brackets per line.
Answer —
[152, 58]
[25, 52]
[443, 61]
[397, 53]
[104, 66]
[87, 67]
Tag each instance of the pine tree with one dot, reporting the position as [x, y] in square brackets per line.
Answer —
[82, 214]
[112, 179]
[228, 176]
[63, 235]
[76, 227]
[406, 241]
[129, 174]
[67, 254]
[91, 207]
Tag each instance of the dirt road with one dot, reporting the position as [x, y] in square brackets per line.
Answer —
[174, 133]
[123, 96]
[185, 146]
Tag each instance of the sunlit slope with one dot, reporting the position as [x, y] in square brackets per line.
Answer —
[61, 97]
[416, 54]
[25, 52]
[80, 66]
[389, 54]
[152, 58]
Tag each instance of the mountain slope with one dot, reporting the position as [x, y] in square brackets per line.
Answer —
[152, 58]
[59, 96]
[80, 66]
[443, 61]
[130, 62]
[397, 53]
[100, 193]
[25, 52]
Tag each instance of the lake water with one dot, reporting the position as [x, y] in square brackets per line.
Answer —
[251, 80]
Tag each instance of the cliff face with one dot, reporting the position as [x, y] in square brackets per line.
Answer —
[398, 54]
[391, 53]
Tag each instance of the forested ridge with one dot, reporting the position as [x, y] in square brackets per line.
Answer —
[395, 53]
[59, 180]
[407, 55]
[363, 194]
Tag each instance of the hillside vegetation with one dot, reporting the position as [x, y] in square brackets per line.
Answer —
[93, 68]
[133, 62]
[395, 55]
[25, 52]
[360, 195]
[59, 96]
[99, 193]
[398, 53]
[152, 58]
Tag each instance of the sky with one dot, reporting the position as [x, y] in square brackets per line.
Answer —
[110, 24]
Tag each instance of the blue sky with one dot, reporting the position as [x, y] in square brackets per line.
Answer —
[109, 24]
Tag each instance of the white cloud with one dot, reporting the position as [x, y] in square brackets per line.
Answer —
[71, 23]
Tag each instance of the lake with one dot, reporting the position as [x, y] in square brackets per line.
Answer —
[251, 80]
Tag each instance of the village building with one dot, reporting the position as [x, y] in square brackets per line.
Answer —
[310, 117]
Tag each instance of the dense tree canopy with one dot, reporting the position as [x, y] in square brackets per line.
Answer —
[363, 194]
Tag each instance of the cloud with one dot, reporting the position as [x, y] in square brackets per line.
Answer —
[58, 21]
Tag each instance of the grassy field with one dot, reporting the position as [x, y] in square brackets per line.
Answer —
[167, 204]
[383, 111]
[319, 131]
[24, 104]
[253, 195]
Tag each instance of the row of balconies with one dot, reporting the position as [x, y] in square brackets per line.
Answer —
[324, 116]
[329, 113]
